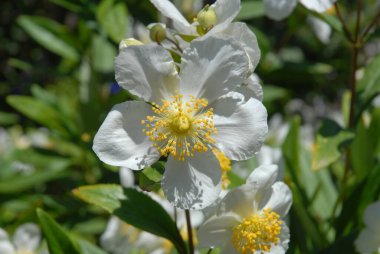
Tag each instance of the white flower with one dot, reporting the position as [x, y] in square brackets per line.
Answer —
[368, 241]
[280, 9]
[224, 11]
[321, 29]
[192, 112]
[26, 240]
[249, 219]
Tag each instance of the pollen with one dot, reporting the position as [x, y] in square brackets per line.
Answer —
[225, 165]
[181, 127]
[257, 233]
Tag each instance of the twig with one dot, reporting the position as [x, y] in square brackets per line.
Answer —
[371, 25]
[345, 28]
[189, 232]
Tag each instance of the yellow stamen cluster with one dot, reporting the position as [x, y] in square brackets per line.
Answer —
[225, 165]
[180, 127]
[257, 232]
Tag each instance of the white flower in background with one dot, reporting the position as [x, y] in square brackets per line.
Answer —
[189, 114]
[280, 9]
[26, 240]
[321, 29]
[215, 20]
[368, 241]
[249, 219]
[122, 238]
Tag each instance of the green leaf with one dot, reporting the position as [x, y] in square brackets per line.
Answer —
[103, 54]
[113, 18]
[330, 140]
[37, 111]
[369, 85]
[107, 196]
[251, 9]
[89, 248]
[8, 118]
[135, 208]
[58, 240]
[50, 35]
[150, 178]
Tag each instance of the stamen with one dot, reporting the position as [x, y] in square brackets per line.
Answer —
[225, 165]
[181, 128]
[257, 232]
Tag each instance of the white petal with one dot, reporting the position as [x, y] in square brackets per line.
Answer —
[264, 176]
[241, 125]
[147, 71]
[216, 231]
[318, 5]
[120, 140]
[194, 183]
[283, 245]
[279, 9]
[6, 247]
[170, 11]
[226, 10]
[229, 248]
[252, 87]
[368, 241]
[372, 216]
[27, 237]
[281, 199]
[321, 29]
[212, 67]
[127, 178]
[241, 32]
[116, 239]
[3, 234]
[239, 201]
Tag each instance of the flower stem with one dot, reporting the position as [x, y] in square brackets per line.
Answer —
[209, 251]
[189, 232]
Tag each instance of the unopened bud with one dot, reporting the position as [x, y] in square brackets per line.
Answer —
[158, 33]
[129, 42]
[207, 17]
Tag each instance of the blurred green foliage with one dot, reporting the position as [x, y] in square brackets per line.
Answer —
[57, 85]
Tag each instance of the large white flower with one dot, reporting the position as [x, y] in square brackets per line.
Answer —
[280, 9]
[26, 240]
[217, 19]
[249, 219]
[368, 241]
[189, 113]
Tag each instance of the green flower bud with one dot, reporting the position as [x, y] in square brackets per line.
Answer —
[207, 17]
[129, 42]
[158, 33]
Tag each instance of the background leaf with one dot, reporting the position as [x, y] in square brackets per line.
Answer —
[59, 242]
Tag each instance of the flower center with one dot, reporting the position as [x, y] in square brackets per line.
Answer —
[181, 128]
[257, 232]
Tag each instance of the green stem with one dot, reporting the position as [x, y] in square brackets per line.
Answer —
[189, 232]
[209, 251]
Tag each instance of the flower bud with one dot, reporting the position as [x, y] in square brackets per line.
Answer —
[207, 17]
[129, 42]
[158, 33]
